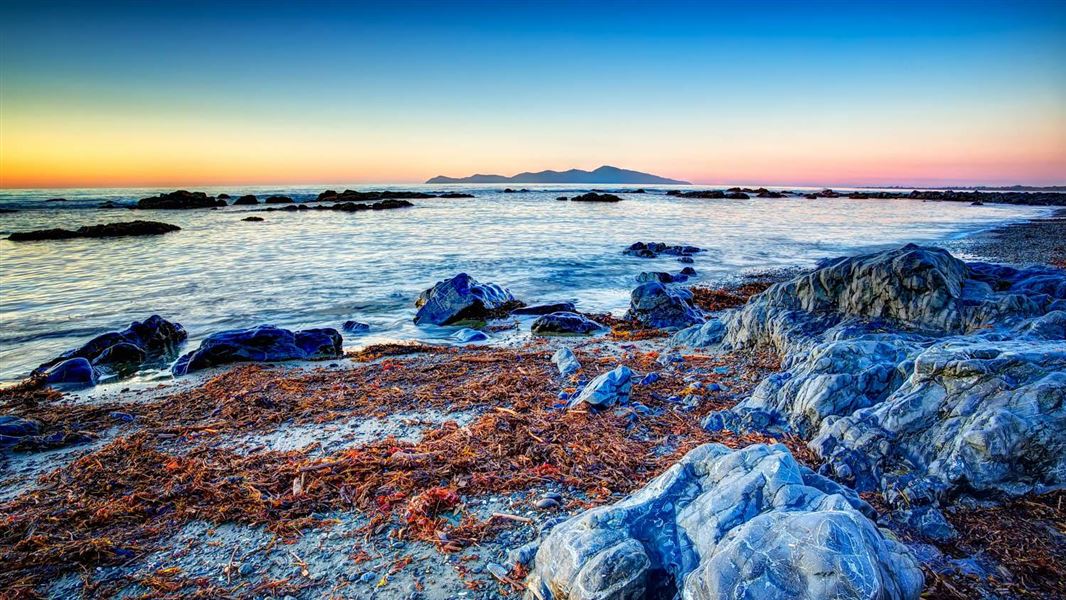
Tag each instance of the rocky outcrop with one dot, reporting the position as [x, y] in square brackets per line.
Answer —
[657, 305]
[565, 323]
[750, 523]
[606, 390]
[118, 352]
[125, 229]
[594, 197]
[246, 200]
[265, 343]
[462, 298]
[343, 206]
[654, 249]
[180, 200]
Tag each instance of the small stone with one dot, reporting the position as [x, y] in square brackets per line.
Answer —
[545, 503]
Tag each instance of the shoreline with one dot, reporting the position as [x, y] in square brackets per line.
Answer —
[481, 456]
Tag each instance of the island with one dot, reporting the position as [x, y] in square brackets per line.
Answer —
[604, 174]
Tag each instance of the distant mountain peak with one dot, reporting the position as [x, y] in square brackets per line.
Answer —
[605, 174]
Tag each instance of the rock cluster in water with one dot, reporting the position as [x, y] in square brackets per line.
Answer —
[594, 197]
[125, 229]
[181, 200]
[343, 206]
[265, 343]
[913, 373]
[354, 196]
[654, 249]
[750, 523]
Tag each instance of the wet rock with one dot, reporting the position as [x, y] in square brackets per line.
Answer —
[120, 352]
[606, 390]
[180, 200]
[686, 260]
[278, 200]
[566, 362]
[469, 336]
[657, 305]
[661, 277]
[125, 229]
[544, 309]
[654, 249]
[546, 503]
[462, 298]
[565, 323]
[75, 371]
[562, 198]
[594, 197]
[14, 429]
[750, 523]
[246, 200]
[265, 343]
[688, 271]
[355, 327]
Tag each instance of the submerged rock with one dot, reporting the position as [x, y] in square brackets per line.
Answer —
[124, 229]
[265, 343]
[180, 200]
[750, 523]
[566, 362]
[565, 323]
[608, 389]
[657, 305]
[121, 352]
[462, 298]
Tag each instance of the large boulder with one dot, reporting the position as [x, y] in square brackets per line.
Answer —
[607, 389]
[744, 524]
[265, 343]
[565, 323]
[180, 200]
[657, 305]
[121, 352]
[462, 298]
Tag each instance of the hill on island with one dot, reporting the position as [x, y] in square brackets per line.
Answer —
[604, 174]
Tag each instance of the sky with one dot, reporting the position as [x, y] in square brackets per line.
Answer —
[774, 93]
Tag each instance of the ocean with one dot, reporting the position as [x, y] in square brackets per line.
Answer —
[319, 269]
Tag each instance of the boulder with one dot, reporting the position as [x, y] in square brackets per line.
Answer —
[565, 323]
[180, 200]
[721, 523]
[657, 305]
[688, 272]
[544, 309]
[278, 200]
[121, 352]
[566, 362]
[246, 200]
[607, 389]
[125, 229]
[467, 335]
[265, 343]
[594, 197]
[462, 298]
[75, 371]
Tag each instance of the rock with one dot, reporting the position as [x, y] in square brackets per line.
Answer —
[180, 200]
[544, 309]
[565, 323]
[246, 200]
[562, 198]
[124, 351]
[343, 206]
[546, 503]
[265, 343]
[706, 194]
[467, 335]
[355, 327]
[566, 362]
[702, 335]
[462, 298]
[737, 196]
[253, 219]
[688, 272]
[750, 523]
[656, 305]
[75, 371]
[278, 200]
[594, 197]
[686, 260]
[455, 195]
[607, 389]
[654, 249]
[125, 229]
[660, 277]
[14, 429]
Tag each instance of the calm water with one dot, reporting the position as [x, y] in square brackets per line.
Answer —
[321, 269]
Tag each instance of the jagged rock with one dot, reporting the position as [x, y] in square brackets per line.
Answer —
[75, 371]
[750, 523]
[606, 390]
[566, 362]
[462, 298]
[544, 309]
[565, 323]
[125, 229]
[656, 305]
[180, 200]
[467, 335]
[121, 352]
[265, 343]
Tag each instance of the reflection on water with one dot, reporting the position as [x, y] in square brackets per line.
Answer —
[322, 268]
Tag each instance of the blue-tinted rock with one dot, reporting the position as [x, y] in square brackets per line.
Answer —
[686, 260]
[655, 276]
[688, 271]
[608, 389]
[656, 305]
[129, 349]
[76, 371]
[566, 362]
[544, 309]
[13, 429]
[468, 336]
[462, 298]
[265, 343]
[700, 336]
[653, 249]
[565, 323]
[355, 327]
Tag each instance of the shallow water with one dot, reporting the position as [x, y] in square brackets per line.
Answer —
[323, 268]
